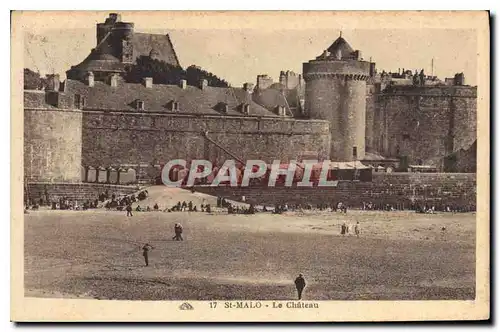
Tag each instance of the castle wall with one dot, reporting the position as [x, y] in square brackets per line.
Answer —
[52, 192]
[424, 124]
[398, 189]
[113, 138]
[52, 145]
[465, 118]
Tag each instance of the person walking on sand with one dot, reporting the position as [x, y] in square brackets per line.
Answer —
[178, 232]
[145, 251]
[300, 284]
[129, 210]
[356, 229]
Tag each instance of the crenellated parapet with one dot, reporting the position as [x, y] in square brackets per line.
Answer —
[328, 75]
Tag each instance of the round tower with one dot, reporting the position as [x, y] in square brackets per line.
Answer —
[123, 30]
[336, 91]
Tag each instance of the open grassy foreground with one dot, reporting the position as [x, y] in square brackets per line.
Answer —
[400, 255]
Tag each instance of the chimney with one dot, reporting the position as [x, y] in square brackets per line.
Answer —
[183, 84]
[203, 84]
[148, 82]
[248, 87]
[90, 79]
[113, 80]
[372, 69]
[53, 82]
[115, 17]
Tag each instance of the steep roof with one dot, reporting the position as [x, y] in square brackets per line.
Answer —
[192, 100]
[270, 99]
[100, 59]
[161, 44]
[342, 45]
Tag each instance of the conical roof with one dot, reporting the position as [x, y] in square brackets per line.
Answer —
[342, 45]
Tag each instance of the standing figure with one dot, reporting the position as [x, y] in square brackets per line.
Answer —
[129, 210]
[343, 228]
[300, 284]
[178, 232]
[145, 250]
[356, 229]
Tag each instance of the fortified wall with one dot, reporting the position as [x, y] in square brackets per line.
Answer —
[403, 190]
[117, 138]
[52, 138]
[421, 124]
[61, 141]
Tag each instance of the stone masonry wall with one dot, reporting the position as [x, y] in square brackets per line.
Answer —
[52, 145]
[74, 191]
[113, 138]
[423, 123]
[398, 189]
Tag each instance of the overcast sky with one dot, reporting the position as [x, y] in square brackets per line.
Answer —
[239, 55]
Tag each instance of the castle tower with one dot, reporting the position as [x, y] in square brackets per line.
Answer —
[115, 37]
[53, 155]
[336, 91]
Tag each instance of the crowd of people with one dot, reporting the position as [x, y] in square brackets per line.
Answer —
[179, 207]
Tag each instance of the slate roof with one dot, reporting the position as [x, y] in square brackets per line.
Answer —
[191, 100]
[162, 45]
[342, 45]
[272, 97]
[101, 59]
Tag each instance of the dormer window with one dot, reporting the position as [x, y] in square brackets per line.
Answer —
[224, 108]
[281, 111]
[174, 105]
[140, 105]
[245, 109]
[79, 101]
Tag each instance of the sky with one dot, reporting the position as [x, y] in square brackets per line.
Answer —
[239, 54]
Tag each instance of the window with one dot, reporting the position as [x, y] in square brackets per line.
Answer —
[140, 105]
[79, 101]
[246, 109]
[354, 152]
[281, 110]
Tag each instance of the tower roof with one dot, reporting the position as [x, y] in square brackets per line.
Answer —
[342, 45]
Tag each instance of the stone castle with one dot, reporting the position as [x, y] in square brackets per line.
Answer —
[340, 108]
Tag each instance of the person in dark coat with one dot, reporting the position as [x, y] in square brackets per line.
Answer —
[145, 251]
[300, 284]
[343, 229]
[129, 210]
